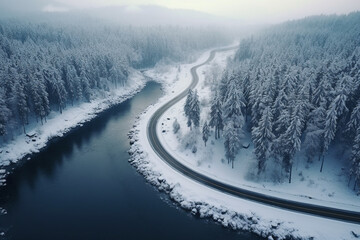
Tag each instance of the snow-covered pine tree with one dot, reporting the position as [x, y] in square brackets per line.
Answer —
[223, 85]
[195, 109]
[85, 85]
[263, 138]
[354, 122]
[176, 126]
[4, 113]
[340, 103]
[288, 85]
[246, 86]
[314, 138]
[205, 132]
[322, 92]
[304, 100]
[278, 108]
[58, 91]
[233, 104]
[69, 75]
[280, 127]
[21, 104]
[216, 118]
[292, 142]
[232, 141]
[187, 107]
[255, 101]
[329, 130]
[40, 97]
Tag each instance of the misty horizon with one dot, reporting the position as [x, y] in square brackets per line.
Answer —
[182, 12]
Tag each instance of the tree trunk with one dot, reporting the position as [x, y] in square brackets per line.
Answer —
[24, 128]
[290, 173]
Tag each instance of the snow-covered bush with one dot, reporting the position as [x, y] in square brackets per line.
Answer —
[176, 126]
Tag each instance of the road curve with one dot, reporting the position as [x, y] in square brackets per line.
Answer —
[322, 211]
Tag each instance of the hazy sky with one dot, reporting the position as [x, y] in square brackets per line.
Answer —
[270, 11]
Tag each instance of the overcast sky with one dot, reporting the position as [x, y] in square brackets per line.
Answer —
[265, 11]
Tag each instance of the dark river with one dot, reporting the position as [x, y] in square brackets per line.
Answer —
[82, 187]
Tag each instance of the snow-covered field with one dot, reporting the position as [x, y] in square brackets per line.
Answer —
[59, 124]
[329, 188]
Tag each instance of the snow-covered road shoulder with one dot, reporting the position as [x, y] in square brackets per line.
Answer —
[205, 202]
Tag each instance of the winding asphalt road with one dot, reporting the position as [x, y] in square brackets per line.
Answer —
[328, 212]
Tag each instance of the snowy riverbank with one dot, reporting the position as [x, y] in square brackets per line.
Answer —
[59, 124]
[205, 202]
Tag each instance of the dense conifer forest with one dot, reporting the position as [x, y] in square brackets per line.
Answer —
[296, 88]
[49, 66]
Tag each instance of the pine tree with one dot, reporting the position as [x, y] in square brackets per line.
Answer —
[84, 82]
[69, 75]
[255, 102]
[40, 97]
[292, 143]
[233, 104]
[188, 107]
[354, 122]
[282, 123]
[246, 86]
[195, 109]
[329, 129]
[205, 132]
[263, 138]
[176, 126]
[288, 85]
[232, 141]
[4, 113]
[314, 138]
[322, 92]
[216, 118]
[278, 109]
[21, 104]
[223, 86]
[340, 103]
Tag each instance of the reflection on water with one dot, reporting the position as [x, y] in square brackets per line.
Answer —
[82, 187]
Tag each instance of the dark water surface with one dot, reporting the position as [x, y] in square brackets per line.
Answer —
[82, 187]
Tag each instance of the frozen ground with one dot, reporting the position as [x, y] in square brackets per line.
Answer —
[228, 210]
[59, 124]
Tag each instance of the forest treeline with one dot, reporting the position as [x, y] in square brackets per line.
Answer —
[295, 86]
[48, 66]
